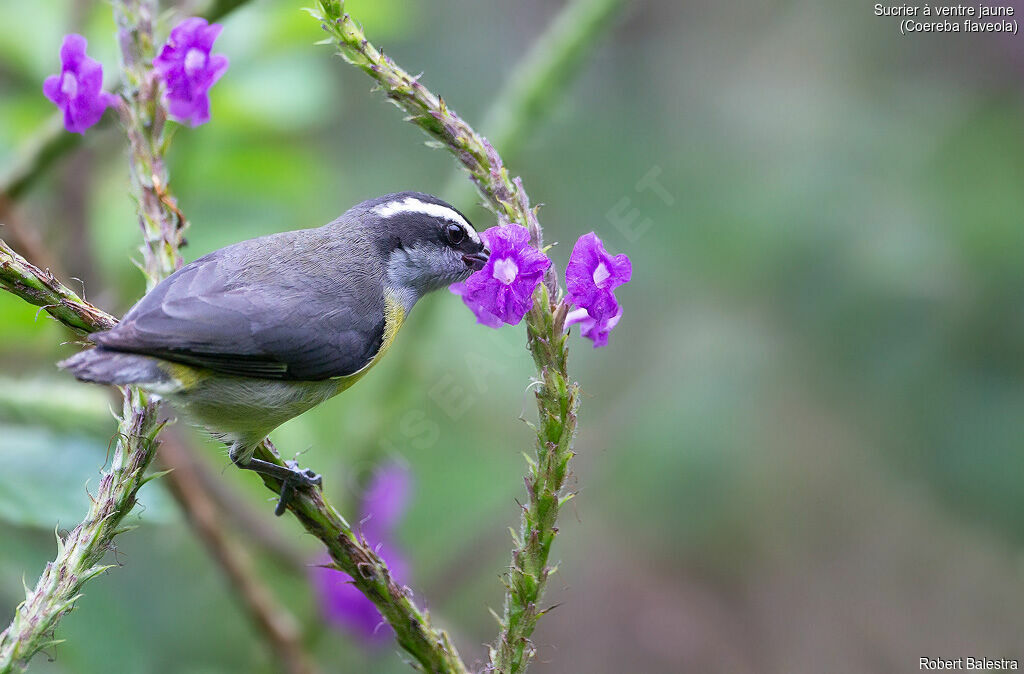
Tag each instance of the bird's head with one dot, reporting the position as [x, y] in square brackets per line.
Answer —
[427, 244]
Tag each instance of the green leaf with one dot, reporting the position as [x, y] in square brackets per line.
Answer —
[44, 476]
[61, 405]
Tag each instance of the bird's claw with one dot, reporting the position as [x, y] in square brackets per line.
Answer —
[305, 476]
[299, 477]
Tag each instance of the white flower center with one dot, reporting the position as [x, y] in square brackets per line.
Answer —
[194, 60]
[505, 270]
[601, 275]
[69, 85]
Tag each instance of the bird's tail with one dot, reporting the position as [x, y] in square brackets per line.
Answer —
[102, 366]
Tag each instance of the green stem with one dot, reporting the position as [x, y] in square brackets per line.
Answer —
[557, 405]
[431, 647]
[144, 119]
[557, 396]
[80, 553]
[39, 287]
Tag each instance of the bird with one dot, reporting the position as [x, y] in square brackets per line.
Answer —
[251, 335]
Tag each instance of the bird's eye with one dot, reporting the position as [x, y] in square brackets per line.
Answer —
[455, 234]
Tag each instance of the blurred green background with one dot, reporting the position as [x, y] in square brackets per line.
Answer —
[800, 452]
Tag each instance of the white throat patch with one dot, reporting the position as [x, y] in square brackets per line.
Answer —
[414, 205]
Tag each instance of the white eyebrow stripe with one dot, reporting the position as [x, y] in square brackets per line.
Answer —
[414, 205]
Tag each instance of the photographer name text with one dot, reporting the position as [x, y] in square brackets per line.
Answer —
[975, 664]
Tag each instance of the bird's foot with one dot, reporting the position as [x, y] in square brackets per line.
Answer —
[291, 476]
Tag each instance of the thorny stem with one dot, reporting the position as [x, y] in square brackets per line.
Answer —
[144, 118]
[39, 287]
[249, 522]
[80, 552]
[557, 396]
[536, 81]
[432, 648]
[36, 286]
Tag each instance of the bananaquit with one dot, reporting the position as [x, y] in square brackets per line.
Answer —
[252, 335]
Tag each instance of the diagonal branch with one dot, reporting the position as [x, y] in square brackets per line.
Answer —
[432, 648]
[79, 555]
[544, 72]
[39, 287]
[557, 396]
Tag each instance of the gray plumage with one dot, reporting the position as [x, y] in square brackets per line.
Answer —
[251, 335]
[297, 305]
[104, 367]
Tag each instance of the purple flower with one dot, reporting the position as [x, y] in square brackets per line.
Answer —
[78, 89]
[346, 607]
[383, 503]
[591, 277]
[502, 292]
[189, 69]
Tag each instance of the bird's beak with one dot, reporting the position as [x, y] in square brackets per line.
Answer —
[476, 261]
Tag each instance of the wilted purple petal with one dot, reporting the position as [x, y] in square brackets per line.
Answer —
[189, 69]
[591, 328]
[78, 89]
[502, 292]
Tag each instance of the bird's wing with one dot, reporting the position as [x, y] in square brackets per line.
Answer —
[242, 312]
